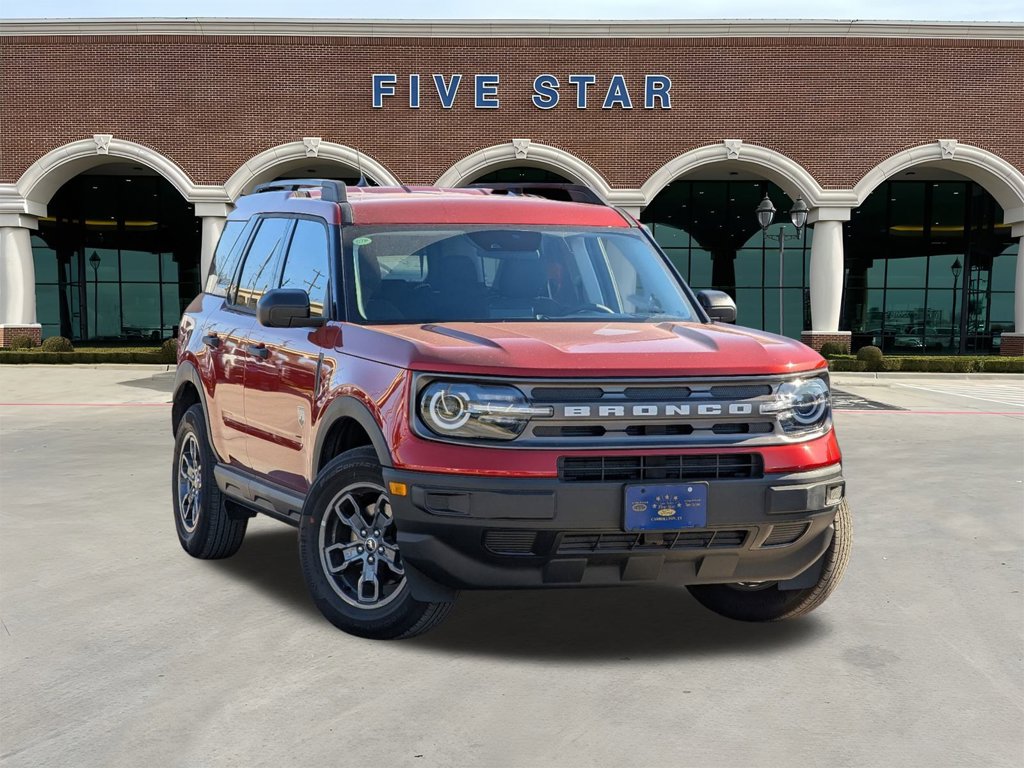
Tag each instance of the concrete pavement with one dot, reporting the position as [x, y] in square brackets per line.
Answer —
[117, 649]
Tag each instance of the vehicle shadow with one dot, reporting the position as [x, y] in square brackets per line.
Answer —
[269, 561]
[612, 623]
[616, 623]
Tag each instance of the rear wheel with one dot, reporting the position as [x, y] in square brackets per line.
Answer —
[766, 602]
[205, 527]
[349, 553]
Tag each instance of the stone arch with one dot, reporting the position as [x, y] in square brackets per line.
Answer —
[519, 152]
[45, 176]
[1000, 179]
[270, 163]
[788, 174]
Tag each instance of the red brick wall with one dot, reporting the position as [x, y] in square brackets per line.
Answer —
[836, 105]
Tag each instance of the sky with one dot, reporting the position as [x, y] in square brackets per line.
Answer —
[907, 10]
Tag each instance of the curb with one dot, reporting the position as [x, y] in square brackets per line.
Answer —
[884, 377]
[151, 367]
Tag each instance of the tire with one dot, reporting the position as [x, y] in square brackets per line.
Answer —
[769, 603]
[349, 554]
[205, 528]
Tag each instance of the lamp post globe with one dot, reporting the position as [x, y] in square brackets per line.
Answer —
[765, 212]
[798, 213]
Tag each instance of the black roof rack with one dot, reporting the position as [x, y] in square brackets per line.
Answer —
[330, 189]
[577, 193]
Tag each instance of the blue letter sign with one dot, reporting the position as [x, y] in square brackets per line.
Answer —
[545, 91]
[383, 85]
[446, 93]
[582, 82]
[487, 92]
[657, 87]
[618, 94]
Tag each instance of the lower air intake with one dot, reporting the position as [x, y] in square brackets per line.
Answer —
[785, 533]
[510, 542]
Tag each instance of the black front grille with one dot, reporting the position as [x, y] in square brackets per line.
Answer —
[740, 391]
[581, 430]
[657, 393]
[510, 542]
[616, 541]
[566, 394]
[659, 430]
[606, 469]
[785, 533]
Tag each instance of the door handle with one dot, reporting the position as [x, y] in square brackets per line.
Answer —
[257, 350]
[211, 340]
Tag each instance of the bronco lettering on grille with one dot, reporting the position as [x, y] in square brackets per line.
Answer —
[702, 409]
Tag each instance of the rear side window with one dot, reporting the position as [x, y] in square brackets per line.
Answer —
[308, 264]
[259, 270]
[225, 258]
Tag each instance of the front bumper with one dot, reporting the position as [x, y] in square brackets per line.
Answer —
[460, 532]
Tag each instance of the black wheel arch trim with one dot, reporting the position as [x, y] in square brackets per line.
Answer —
[348, 407]
[188, 374]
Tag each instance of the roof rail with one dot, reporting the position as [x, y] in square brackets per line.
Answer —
[578, 193]
[330, 189]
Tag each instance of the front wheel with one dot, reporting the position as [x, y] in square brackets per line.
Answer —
[766, 602]
[349, 553]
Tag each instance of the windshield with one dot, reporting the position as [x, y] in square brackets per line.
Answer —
[417, 275]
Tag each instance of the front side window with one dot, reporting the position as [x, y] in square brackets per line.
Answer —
[418, 275]
[307, 265]
[261, 262]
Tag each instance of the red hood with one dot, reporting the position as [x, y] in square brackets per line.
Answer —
[552, 349]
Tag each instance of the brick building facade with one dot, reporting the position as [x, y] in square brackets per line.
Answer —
[827, 112]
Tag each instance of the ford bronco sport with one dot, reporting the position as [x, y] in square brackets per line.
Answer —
[481, 388]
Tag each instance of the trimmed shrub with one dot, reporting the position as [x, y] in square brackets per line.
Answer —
[869, 354]
[106, 356]
[832, 349]
[962, 365]
[23, 342]
[1003, 365]
[57, 344]
[846, 364]
[891, 364]
[169, 351]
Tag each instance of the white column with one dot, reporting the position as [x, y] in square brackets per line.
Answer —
[1018, 290]
[214, 216]
[827, 268]
[17, 271]
[212, 228]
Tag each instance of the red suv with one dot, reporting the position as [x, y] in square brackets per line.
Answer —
[486, 389]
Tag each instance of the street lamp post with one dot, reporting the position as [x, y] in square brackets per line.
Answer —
[94, 262]
[765, 216]
[955, 268]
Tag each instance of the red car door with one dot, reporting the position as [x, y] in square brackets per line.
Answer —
[283, 381]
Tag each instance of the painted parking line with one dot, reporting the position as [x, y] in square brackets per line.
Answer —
[847, 401]
[905, 412]
[1002, 394]
[83, 405]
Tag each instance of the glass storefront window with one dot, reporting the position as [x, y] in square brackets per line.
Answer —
[116, 259]
[724, 248]
[923, 265]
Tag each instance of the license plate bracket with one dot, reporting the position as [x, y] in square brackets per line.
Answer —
[672, 507]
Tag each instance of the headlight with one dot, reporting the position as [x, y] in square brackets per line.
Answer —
[802, 405]
[482, 411]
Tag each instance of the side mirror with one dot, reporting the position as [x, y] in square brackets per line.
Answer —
[719, 306]
[286, 308]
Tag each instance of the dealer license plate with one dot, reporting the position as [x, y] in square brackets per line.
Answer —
[666, 507]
